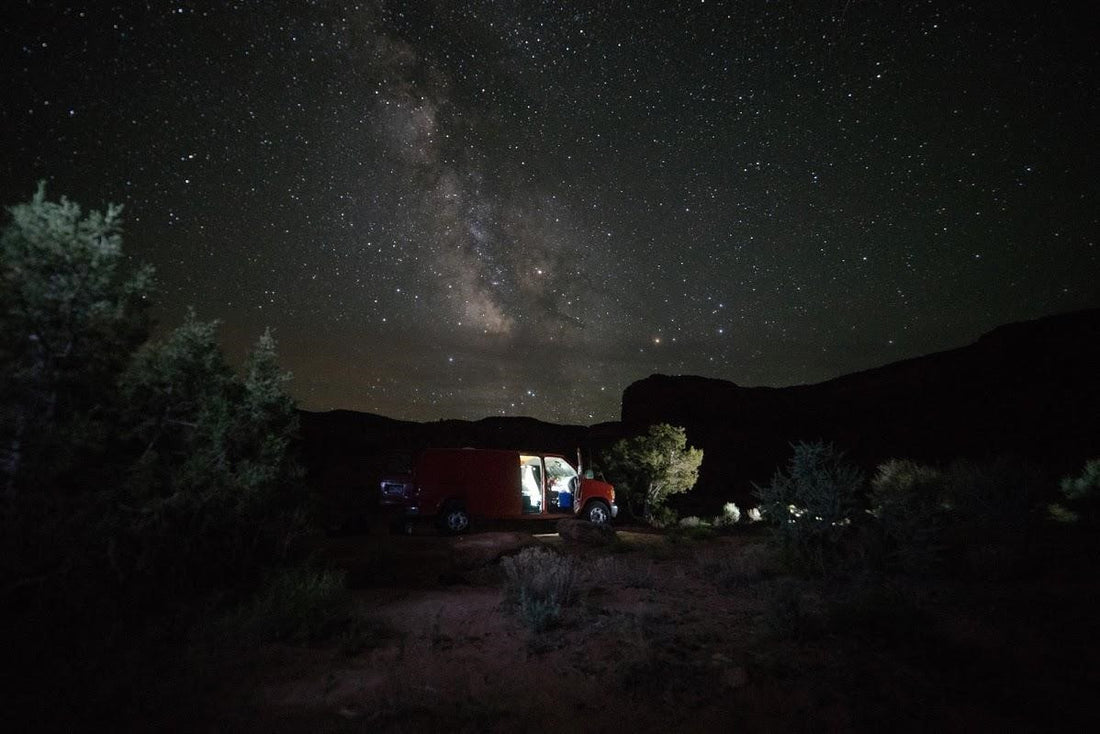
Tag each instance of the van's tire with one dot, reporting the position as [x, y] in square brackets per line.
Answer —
[454, 520]
[597, 512]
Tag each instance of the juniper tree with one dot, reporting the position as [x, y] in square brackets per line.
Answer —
[649, 468]
[215, 480]
[137, 476]
[72, 311]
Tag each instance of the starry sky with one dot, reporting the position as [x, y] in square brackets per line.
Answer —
[452, 209]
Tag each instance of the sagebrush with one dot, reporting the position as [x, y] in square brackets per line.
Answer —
[540, 583]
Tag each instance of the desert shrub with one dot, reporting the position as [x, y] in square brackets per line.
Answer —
[650, 468]
[1080, 496]
[1059, 512]
[1085, 486]
[538, 613]
[540, 583]
[691, 528]
[731, 515]
[362, 632]
[993, 498]
[907, 500]
[297, 604]
[795, 610]
[991, 515]
[729, 568]
[881, 610]
[812, 505]
[699, 532]
[622, 571]
[662, 517]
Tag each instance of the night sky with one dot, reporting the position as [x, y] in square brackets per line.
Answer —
[455, 209]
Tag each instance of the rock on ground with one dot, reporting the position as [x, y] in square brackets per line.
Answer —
[584, 532]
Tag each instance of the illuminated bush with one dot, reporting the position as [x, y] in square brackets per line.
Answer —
[731, 515]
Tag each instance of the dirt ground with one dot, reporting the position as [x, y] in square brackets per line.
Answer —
[667, 635]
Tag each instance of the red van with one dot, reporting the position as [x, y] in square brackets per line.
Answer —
[454, 485]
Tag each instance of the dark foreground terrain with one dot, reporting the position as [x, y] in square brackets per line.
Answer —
[674, 633]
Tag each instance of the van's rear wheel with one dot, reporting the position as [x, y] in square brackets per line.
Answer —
[454, 519]
[597, 513]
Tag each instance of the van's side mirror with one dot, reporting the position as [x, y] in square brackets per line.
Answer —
[589, 474]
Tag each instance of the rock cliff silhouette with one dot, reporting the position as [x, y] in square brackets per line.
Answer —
[1029, 390]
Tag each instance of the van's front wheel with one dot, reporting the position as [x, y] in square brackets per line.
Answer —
[454, 519]
[597, 513]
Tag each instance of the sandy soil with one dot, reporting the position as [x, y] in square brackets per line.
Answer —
[685, 636]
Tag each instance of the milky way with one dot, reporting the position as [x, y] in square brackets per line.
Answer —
[461, 209]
